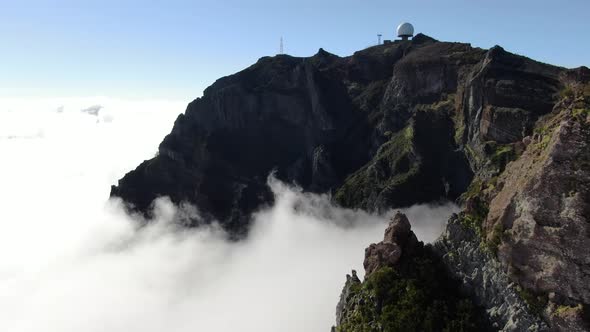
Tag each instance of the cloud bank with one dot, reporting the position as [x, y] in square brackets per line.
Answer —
[71, 261]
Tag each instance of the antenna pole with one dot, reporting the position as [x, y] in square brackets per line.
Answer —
[281, 49]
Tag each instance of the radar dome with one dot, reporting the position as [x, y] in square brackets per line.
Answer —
[405, 30]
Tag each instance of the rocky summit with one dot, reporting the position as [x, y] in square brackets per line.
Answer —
[392, 125]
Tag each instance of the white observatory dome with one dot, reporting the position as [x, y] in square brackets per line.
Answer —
[405, 30]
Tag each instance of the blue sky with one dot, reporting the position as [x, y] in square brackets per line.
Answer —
[174, 49]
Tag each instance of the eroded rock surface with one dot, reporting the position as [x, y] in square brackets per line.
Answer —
[398, 239]
[483, 277]
[371, 127]
[541, 214]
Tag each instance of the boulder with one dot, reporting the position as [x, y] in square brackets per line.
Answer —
[398, 239]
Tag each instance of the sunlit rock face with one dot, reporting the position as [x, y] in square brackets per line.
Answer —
[524, 233]
[540, 211]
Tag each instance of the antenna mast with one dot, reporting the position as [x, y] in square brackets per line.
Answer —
[281, 49]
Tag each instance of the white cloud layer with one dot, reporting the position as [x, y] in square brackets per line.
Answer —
[71, 261]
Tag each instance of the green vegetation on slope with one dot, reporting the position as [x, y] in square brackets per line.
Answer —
[421, 299]
[393, 165]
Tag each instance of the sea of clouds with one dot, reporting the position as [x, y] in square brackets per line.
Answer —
[71, 260]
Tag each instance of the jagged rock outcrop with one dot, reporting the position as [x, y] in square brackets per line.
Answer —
[352, 282]
[405, 288]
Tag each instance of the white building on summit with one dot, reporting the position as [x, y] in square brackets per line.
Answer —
[405, 31]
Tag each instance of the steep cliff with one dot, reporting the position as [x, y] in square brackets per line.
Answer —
[325, 123]
[527, 231]
[520, 246]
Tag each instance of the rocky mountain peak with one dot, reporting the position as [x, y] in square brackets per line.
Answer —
[399, 240]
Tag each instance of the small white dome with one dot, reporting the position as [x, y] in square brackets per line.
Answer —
[405, 30]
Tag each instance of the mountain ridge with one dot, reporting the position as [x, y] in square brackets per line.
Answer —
[316, 100]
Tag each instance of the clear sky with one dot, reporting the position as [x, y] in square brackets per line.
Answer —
[174, 49]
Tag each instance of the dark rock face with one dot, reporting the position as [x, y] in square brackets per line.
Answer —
[398, 230]
[371, 127]
[381, 254]
[483, 277]
[540, 212]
